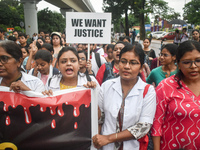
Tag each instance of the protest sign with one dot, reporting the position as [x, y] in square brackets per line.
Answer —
[88, 27]
[60, 122]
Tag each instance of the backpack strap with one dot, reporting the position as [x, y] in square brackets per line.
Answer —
[98, 60]
[33, 71]
[49, 81]
[146, 90]
[88, 76]
[55, 71]
[108, 72]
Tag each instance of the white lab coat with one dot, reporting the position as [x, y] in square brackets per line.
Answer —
[34, 83]
[54, 84]
[39, 75]
[136, 109]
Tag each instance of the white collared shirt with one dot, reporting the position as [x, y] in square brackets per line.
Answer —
[95, 67]
[34, 83]
[136, 109]
[54, 84]
[39, 75]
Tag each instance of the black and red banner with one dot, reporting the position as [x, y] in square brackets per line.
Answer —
[61, 122]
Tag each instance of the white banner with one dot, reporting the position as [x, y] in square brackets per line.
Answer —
[93, 28]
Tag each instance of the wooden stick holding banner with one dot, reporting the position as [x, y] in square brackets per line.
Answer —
[88, 54]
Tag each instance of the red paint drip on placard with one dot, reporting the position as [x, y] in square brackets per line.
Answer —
[76, 99]
[7, 120]
[53, 124]
[75, 125]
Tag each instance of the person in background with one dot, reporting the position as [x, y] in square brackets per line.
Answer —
[29, 61]
[41, 41]
[63, 36]
[42, 35]
[49, 47]
[16, 34]
[195, 35]
[149, 53]
[102, 51]
[126, 39]
[134, 34]
[29, 40]
[177, 37]
[168, 68]
[96, 59]
[79, 47]
[184, 36]
[121, 38]
[34, 37]
[25, 52]
[110, 70]
[23, 40]
[43, 68]
[10, 70]
[176, 124]
[47, 39]
[109, 51]
[84, 64]
[129, 105]
[12, 38]
[63, 42]
[1, 34]
[56, 42]
[47, 34]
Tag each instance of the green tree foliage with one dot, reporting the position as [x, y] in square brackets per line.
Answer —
[172, 15]
[140, 9]
[49, 21]
[132, 21]
[12, 12]
[192, 12]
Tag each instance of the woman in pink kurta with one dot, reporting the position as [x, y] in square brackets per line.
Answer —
[177, 119]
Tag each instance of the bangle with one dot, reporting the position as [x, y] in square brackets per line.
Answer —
[116, 135]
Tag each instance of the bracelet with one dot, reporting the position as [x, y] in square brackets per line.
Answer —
[116, 135]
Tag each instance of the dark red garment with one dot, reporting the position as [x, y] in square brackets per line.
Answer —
[155, 63]
[100, 74]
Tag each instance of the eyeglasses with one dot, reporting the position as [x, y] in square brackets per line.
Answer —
[164, 55]
[188, 63]
[131, 63]
[4, 59]
[82, 58]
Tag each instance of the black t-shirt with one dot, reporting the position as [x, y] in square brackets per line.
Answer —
[150, 53]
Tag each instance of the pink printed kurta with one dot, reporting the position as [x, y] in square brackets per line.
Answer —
[177, 118]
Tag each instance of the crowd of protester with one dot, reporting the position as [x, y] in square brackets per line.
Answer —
[145, 101]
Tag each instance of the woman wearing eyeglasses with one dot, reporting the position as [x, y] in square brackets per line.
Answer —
[168, 68]
[10, 70]
[128, 109]
[177, 121]
[85, 66]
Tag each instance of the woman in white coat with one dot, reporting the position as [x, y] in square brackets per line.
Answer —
[10, 70]
[128, 104]
[69, 77]
[43, 68]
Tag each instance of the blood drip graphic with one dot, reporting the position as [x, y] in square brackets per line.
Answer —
[7, 120]
[75, 125]
[76, 99]
[53, 124]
